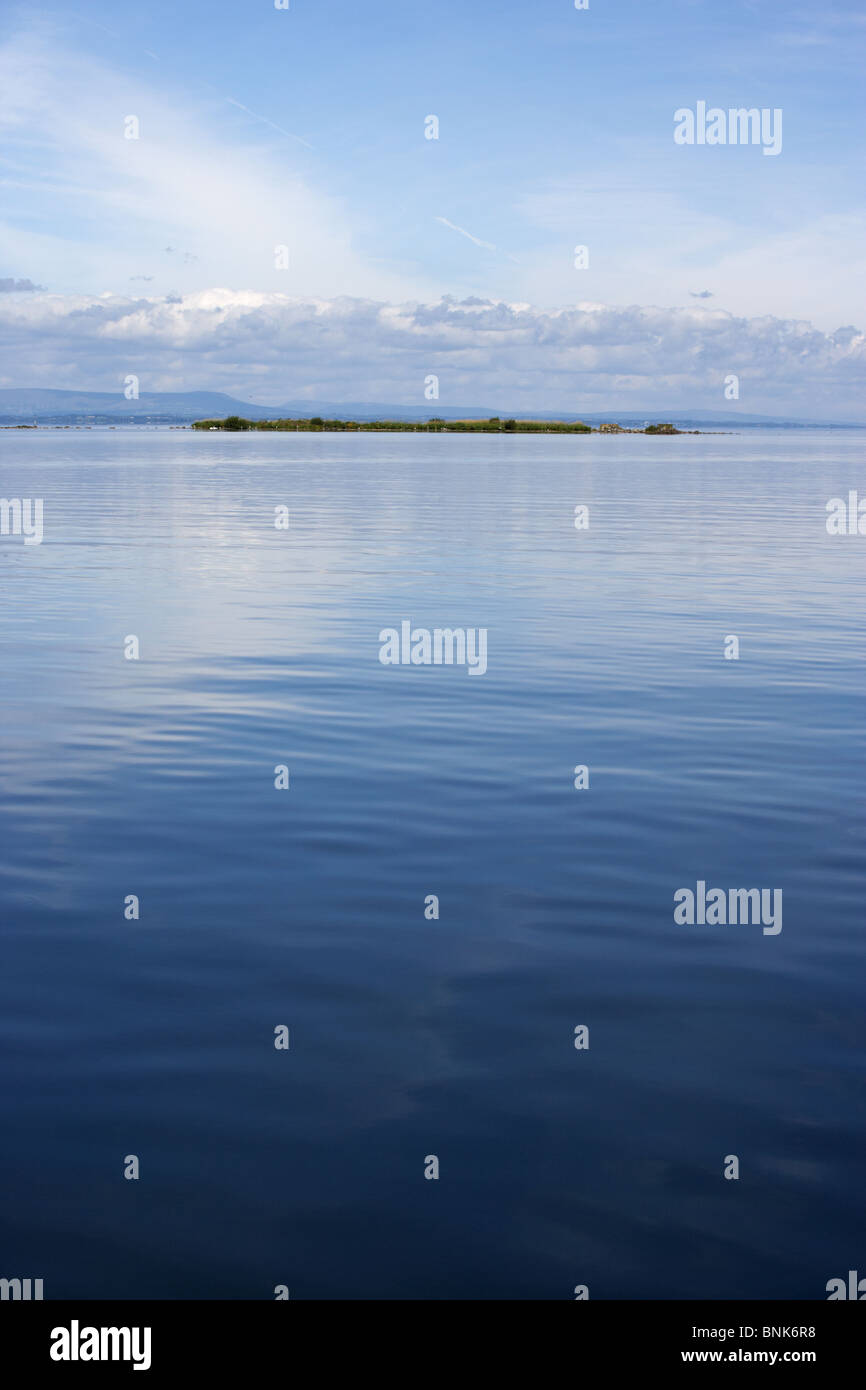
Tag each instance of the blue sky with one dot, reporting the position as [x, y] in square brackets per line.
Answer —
[305, 128]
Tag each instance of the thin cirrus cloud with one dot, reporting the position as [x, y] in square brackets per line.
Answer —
[271, 348]
[96, 209]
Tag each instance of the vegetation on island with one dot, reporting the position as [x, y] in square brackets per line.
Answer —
[494, 425]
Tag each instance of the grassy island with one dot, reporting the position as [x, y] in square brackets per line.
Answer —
[494, 425]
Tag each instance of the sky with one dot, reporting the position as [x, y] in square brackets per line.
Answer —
[282, 229]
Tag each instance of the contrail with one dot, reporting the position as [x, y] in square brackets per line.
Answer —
[486, 245]
[273, 124]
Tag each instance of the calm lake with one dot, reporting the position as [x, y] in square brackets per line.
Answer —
[414, 1036]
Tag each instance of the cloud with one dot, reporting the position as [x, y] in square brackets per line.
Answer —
[203, 175]
[270, 347]
[8, 286]
[223, 183]
[808, 264]
[701, 294]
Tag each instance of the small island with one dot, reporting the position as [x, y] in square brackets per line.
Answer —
[494, 425]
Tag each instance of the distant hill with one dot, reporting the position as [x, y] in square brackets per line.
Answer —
[40, 404]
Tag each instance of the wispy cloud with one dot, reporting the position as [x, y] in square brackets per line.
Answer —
[186, 181]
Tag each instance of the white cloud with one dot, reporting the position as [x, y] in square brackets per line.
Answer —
[271, 348]
[93, 209]
[649, 243]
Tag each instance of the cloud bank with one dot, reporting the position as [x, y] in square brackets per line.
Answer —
[269, 348]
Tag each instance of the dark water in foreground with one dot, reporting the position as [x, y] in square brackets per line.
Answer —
[305, 907]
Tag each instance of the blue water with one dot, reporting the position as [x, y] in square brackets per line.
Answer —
[414, 1037]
